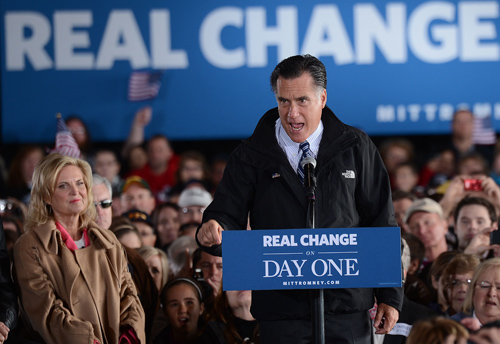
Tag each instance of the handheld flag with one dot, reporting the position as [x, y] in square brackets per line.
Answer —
[143, 85]
[65, 142]
[483, 132]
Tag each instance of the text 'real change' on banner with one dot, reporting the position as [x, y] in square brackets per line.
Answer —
[312, 258]
[394, 67]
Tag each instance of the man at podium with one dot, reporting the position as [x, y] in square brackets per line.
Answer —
[263, 181]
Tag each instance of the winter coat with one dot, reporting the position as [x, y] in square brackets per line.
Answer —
[76, 297]
[353, 190]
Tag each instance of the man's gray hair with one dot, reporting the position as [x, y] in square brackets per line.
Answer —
[405, 257]
[97, 179]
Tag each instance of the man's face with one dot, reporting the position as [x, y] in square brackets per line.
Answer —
[400, 208]
[300, 106]
[137, 197]
[462, 125]
[212, 269]
[106, 165]
[429, 228]
[193, 213]
[104, 215]
[471, 220]
[159, 152]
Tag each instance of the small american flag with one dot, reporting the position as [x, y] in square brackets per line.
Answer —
[65, 142]
[483, 132]
[144, 85]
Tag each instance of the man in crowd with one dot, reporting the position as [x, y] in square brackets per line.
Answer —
[193, 202]
[106, 165]
[402, 201]
[102, 199]
[425, 220]
[143, 281]
[144, 224]
[136, 194]
[161, 167]
[475, 219]
[261, 182]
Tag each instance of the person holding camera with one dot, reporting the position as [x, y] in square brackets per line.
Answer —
[475, 220]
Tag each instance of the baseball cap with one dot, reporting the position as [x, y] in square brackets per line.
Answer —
[426, 205]
[136, 215]
[194, 196]
[137, 181]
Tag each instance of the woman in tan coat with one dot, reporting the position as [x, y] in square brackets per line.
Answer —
[72, 275]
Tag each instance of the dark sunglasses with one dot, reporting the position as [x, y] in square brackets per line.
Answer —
[104, 204]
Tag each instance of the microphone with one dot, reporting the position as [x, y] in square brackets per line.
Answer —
[308, 165]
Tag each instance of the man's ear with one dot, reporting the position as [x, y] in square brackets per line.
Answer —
[323, 98]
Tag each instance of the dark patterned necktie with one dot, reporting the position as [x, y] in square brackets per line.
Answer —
[306, 152]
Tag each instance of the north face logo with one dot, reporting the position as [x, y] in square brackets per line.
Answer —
[349, 174]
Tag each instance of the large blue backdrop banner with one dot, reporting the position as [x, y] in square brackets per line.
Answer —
[393, 67]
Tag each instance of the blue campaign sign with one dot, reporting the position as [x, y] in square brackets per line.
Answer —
[394, 67]
[312, 258]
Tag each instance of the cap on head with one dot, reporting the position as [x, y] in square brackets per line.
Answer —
[136, 215]
[135, 180]
[425, 205]
[194, 197]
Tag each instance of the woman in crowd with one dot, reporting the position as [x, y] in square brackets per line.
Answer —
[126, 233]
[440, 303]
[72, 275]
[166, 220]
[183, 306]
[231, 320]
[21, 171]
[482, 303]
[438, 330]
[457, 277]
[157, 263]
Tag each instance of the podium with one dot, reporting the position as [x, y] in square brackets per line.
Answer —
[315, 259]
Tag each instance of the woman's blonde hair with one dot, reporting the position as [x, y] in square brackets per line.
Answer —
[489, 264]
[147, 252]
[44, 184]
[435, 331]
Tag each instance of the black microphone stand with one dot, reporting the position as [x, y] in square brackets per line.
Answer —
[317, 295]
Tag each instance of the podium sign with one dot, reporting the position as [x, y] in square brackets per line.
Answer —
[312, 258]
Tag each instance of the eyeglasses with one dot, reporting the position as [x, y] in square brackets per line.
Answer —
[192, 211]
[487, 286]
[458, 283]
[104, 204]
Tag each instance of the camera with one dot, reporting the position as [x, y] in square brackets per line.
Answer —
[472, 185]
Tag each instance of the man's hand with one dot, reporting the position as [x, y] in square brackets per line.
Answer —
[143, 116]
[210, 233]
[4, 332]
[385, 319]
[488, 335]
[480, 243]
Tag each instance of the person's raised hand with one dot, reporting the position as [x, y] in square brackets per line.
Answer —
[143, 116]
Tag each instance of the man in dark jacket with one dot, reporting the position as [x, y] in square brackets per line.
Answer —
[262, 182]
[8, 297]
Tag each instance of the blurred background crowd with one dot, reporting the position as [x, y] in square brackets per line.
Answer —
[446, 197]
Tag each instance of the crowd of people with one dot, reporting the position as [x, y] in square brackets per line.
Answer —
[143, 279]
